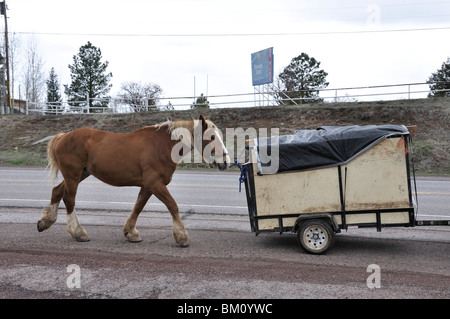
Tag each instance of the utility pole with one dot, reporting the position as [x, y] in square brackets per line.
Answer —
[3, 11]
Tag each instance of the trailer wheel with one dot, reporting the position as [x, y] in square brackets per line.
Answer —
[315, 236]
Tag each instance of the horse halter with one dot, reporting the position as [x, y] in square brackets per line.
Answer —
[212, 157]
[215, 156]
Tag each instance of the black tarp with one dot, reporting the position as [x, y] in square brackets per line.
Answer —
[325, 146]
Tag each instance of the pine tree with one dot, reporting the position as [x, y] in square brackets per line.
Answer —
[440, 81]
[301, 79]
[89, 78]
[54, 104]
[201, 103]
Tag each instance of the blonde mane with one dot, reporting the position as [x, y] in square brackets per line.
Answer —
[189, 125]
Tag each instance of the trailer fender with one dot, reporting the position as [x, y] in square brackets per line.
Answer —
[325, 216]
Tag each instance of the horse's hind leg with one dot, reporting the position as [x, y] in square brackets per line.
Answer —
[129, 229]
[50, 213]
[73, 225]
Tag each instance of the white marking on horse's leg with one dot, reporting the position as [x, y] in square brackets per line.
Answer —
[180, 234]
[130, 231]
[48, 217]
[75, 229]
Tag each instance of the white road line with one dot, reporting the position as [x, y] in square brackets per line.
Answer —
[442, 216]
[120, 203]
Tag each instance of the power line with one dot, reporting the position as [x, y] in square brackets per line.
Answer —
[230, 34]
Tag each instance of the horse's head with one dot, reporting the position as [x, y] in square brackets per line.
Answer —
[213, 150]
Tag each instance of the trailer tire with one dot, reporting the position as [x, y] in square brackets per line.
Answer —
[315, 236]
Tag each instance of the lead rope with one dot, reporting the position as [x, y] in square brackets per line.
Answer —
[243, 169]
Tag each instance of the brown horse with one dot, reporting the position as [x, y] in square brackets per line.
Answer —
[144, 158]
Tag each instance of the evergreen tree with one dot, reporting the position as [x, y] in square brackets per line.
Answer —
[201, 103]
[440, 80]
[54, 104]
[301, 79]
[89, 77]
[168, 107]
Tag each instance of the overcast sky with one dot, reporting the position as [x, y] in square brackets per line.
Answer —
[169, 42]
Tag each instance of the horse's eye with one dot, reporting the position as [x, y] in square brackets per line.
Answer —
[213, 138]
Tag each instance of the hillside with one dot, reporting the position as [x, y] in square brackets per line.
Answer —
[431, 142]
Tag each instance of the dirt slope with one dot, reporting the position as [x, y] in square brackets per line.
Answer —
[431, 142]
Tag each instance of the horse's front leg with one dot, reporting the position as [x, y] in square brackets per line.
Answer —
[129, 229]
[179, 233]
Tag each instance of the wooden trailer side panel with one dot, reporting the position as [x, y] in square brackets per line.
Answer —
[294, 193]
[308, 191]
[376, 179]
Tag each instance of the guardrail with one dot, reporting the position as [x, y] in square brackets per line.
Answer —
[263, 97]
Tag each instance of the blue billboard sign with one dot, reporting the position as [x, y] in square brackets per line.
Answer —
[262, 67]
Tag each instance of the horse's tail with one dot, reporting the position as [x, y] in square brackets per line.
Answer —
[51, 159]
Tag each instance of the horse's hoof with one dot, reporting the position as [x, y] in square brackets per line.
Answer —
[43, 225]
[82, 239]
[182, 238]
[40, 226]
[81, 236]
[183, 244]
[133, 238]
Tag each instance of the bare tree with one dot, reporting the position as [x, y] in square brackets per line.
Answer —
[14, 46]
[14, 51]
[33, 73]
[3, 86]
[139, 95]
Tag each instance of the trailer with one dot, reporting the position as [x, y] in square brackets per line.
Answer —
[331, 179]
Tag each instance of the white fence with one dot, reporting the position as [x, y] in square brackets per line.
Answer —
[82, 107]
[260, 97]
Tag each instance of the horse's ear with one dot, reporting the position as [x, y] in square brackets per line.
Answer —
[207, 118]
[204, 124]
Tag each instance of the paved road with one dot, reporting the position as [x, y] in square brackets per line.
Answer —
[224, 260]
[413, 263]
[195, 192]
